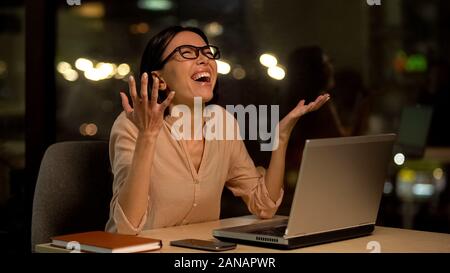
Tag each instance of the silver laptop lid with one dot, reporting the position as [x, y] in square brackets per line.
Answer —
[340, 183]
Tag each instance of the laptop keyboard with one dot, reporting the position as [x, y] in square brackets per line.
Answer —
[271, 231]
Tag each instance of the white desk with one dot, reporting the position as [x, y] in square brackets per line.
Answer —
[390, 240]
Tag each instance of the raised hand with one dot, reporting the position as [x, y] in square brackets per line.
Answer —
[289, 121]
[302, 109]
[146, 115]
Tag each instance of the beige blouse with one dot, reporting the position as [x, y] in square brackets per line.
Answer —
[178, 194]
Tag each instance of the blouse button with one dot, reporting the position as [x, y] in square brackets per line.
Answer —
[196, 181]
[195, 204]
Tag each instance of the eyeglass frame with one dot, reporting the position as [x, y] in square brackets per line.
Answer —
[198, 50]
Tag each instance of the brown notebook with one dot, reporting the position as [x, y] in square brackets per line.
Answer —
[104, 242]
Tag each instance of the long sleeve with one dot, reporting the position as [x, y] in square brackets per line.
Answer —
[121, 149]
[248, 182]
[179, 194]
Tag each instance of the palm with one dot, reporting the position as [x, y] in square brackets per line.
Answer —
[302, 109]
[288, 122]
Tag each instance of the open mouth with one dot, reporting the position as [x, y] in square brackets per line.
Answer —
[202, 77]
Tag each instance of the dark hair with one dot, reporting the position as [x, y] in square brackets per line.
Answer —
[152, 56]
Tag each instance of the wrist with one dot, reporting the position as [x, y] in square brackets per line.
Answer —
[283, 142]
[147, 135]
[285, 134]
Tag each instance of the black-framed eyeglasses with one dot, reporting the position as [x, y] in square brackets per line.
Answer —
[191, 52]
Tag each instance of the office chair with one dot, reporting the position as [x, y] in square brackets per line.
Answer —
[73, 190]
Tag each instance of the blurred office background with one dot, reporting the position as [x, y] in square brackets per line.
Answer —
[62, 67]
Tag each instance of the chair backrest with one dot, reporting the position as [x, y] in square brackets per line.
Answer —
[73, 190]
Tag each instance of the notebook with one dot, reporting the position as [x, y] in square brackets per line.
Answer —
[337, 195]
[105, 242]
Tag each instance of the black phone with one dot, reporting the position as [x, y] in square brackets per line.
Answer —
[211, 245]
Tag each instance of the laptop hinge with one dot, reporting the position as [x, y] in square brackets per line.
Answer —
[312, 233]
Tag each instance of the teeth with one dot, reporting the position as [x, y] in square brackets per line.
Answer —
[199, 75]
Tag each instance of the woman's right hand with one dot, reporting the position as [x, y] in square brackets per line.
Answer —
[146, 116]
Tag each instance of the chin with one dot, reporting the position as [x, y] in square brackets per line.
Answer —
[208, 98]
[206, 95]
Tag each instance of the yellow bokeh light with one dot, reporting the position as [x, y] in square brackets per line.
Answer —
[91, 129]
[438, 173]
[70, 75]
[83, 64]
[62, 67]
[223, 67]
[88, 129]
[239, 73]
[123, 69]
[268, 60]
[407, 175]
[276, 72]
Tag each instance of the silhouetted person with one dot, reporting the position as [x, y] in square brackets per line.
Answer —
[310, 73]
[353, 101]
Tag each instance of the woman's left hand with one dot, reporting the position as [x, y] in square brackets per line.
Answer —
[289, 121]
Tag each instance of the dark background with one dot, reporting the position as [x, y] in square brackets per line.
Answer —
[42, 101]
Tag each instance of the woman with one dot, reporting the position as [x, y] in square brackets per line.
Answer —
[160, 181]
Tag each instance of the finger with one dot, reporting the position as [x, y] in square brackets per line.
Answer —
[298, 107]
[320, 98]
[154, 98]
[327, 98]
[316, 106]
[125, 103]
[324, 99]
[168, 100]
[310, 107]
[319, 103]
[301, 103]
[144, 92]
[133, 93]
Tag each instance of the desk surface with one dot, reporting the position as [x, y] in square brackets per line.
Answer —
[390, 239]
[441, 154]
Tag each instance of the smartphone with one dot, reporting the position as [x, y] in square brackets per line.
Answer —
[211, 245]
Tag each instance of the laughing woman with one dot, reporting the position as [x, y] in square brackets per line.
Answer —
[161, 181]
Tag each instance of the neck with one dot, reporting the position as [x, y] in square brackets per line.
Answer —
[195, 117]
[197, 120]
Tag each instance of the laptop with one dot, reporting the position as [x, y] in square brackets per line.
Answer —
[337, 195]
[415, 123]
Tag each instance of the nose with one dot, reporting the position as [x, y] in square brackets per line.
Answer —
[202, 59]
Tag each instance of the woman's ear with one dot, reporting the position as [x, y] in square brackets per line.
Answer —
[162, 82]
